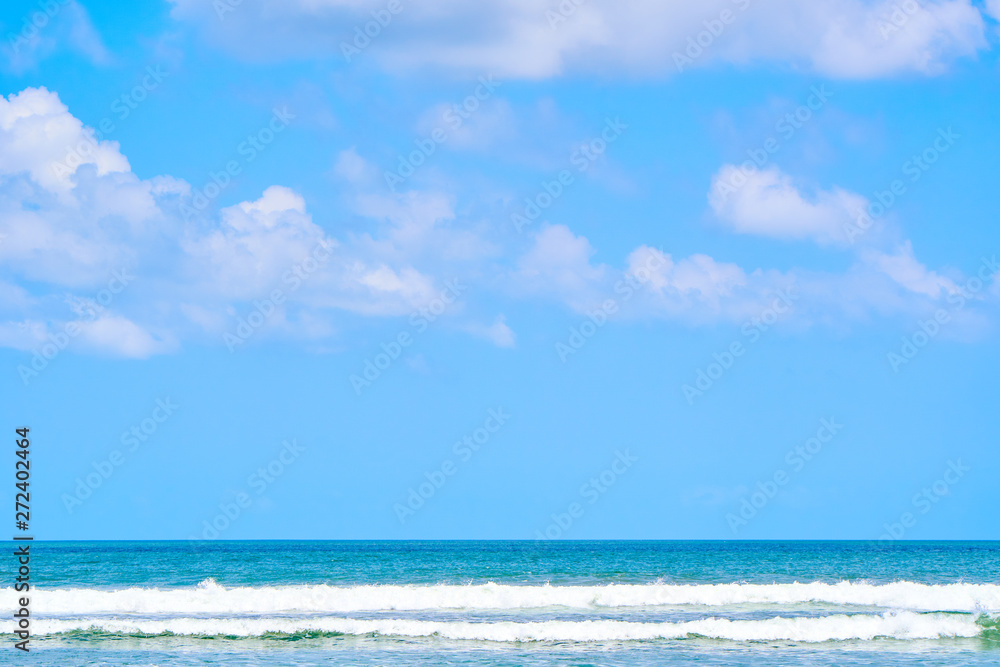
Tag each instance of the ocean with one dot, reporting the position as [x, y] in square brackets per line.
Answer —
[509, 603]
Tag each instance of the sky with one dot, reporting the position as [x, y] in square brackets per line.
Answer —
[374, 269]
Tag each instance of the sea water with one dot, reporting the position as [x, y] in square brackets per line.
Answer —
[509, 603]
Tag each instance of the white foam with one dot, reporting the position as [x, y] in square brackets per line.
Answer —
[211, 598]
[902, 625]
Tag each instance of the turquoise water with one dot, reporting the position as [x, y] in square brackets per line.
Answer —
[512, 603]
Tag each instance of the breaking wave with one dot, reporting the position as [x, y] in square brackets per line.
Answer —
[891, 625]
[211, 598]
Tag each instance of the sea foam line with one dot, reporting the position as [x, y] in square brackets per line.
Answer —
[902, 625]
[211, 598]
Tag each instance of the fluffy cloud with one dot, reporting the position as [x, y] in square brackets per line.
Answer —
[66, 198]
[690, 284]
[68, 226]
[700, 289]
[255, 244]
[39, 136]
[767, 203]
[558, 263]
[853, 39]
[696, 289]
[72, 213]
[538, 38]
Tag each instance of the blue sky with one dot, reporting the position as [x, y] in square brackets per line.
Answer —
[508, 270]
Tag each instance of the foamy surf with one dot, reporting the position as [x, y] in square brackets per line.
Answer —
[211, 598]
[902, 625]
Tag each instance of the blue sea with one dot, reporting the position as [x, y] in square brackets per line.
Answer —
[511, 603]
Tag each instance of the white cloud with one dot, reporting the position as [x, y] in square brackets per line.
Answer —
[413, 216]
[353, 168]
[256, 243]
[700, 289]
[119, 336]
[698, 276]
[897, 36]
[416, 223]
[559, 263]
[101, 332]
[39, 136]
[63, 235]
[498, 333]
[407, 287]
[696, 289]
[767, 203]
[906, 271]
[66, 198]
[532, 39]
[72, 227]
[272, 243]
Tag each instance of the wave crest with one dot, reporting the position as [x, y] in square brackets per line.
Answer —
[211, 598]
[902, 625]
